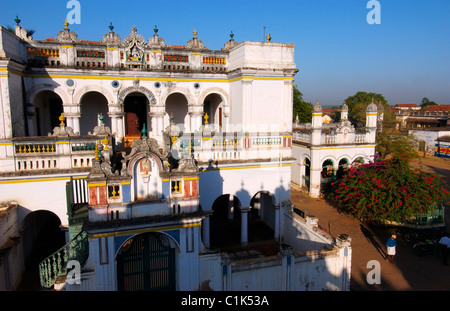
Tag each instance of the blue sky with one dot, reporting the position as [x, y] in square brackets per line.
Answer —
[405, 58]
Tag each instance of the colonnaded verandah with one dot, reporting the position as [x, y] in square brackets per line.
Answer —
[160, 166]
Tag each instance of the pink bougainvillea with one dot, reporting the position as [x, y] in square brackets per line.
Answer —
[388, 190]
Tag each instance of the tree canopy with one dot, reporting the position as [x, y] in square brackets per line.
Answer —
[390, 142]
[388, 190]
[426, 102]
[301, 108]
[357, 105]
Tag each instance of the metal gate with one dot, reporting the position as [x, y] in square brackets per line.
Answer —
[146, 262]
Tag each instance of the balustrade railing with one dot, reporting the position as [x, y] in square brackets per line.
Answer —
[39, 153]
[330, 139]
[55, 265]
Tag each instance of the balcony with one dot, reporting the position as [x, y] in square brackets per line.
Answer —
[34, 154]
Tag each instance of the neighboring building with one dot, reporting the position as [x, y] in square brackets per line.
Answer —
[407, 107]
[442, 147]
[427, 138]
[170, 157]
[413, 117]
[323, 152]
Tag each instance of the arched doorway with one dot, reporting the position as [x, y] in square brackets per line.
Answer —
[146, 262]
[225, 226]
[92, 104]
[261, 218]
[177, 107]
[343, 168]
[48, 108]
[307, 175]
[136, 107]
[42, 236]
[327, 176]
[358, 161]
[213, 106]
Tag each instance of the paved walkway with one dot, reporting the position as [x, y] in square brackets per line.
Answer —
[408, 272]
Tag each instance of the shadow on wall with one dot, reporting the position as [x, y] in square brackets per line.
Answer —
[42, 236]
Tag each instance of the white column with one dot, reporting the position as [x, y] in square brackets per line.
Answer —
[244, 225]
[31, 117]
[205, 229]
[277, 222]
[231, 207]
[76, 124]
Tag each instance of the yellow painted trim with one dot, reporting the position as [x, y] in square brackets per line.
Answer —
[331, 148]
[372, 114]
[40, 179]
[62, 142]
[112, 234]
[112, 49]
[4, 76]
[287, 136]
[298, 145]
[2, 182]
[167, 179]
[245, 167]
[95, 77]
[9, 70]
[191, 178]
[317, 114]
[206, 138]
[196, 53]
[259, 78]
[126, 183]
[67, 46]
[155, 51]
[6, 144]
[99, 184]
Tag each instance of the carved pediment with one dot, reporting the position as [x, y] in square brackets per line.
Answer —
[146, 144]
[134, 46]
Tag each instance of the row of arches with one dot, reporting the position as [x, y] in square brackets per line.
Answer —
[47, 105]
[226, 220]
[331, 169]
[43, 236]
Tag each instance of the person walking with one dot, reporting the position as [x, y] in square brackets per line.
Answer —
[391, 244]
[445, 248]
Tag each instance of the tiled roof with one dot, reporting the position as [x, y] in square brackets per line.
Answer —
[437, 108]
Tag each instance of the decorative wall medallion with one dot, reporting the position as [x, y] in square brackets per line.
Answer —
[115, 84]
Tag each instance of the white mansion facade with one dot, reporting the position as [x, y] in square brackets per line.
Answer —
[147, 150]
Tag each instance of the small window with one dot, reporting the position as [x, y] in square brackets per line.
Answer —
[114, 191]
[176, 186]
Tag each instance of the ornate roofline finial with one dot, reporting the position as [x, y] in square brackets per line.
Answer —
[17, 20]
[144, 132]
[111, 27]
[155, 30]
[195, 33]
[268, 37]
[231, 35]
[62, 118]
[66, 25]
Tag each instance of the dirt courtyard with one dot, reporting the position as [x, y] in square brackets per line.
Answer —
[409, 272]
